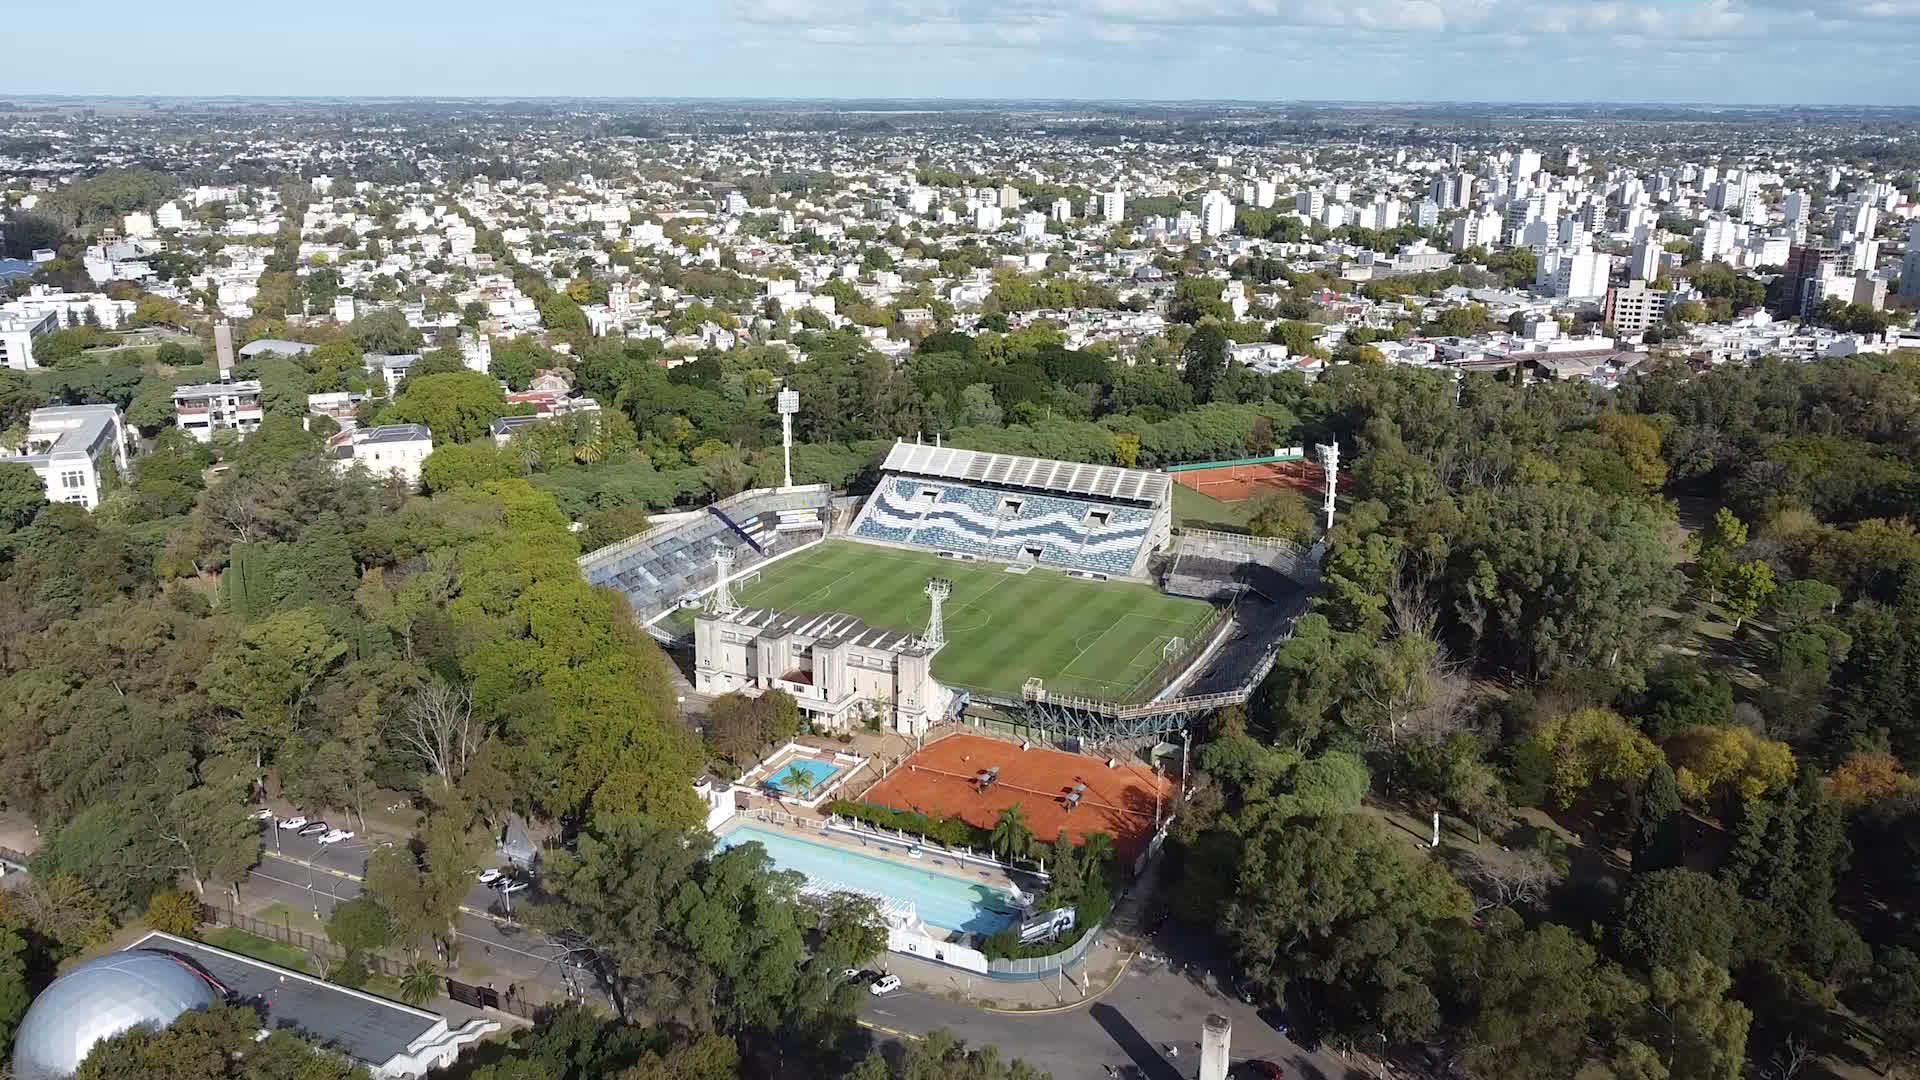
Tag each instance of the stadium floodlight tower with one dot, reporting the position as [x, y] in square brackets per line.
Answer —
[786, 404]
[938, 589]
[722, 603]
[1330, 461]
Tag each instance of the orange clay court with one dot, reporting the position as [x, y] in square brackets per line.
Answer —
[1234, 483]
[939, 780]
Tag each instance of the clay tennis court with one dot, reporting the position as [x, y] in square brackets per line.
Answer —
[1234, 483]
[940, 780]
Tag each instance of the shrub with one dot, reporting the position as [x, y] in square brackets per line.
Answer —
[174, 912]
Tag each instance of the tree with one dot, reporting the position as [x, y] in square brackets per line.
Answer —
[1204, 360]
[22, 496]
[457, 406]
[218, 1043]
[1748, 591]
[1565, 580]
[14, 995]
[1592, 745]
[1011, 839]
[1284, 515]
[1728, 759]
[1529, 996]
[1339, 903]
[441, 730]
[1670, 915]
[607, 527]
[1659, 821]
[359, 926]
[1639, 442]
[1698, 1031]
[174, 912]
[207, 833]
[1865, 777]
[263, 679]
[384, 332]
[420, 983]
[456, 465]
[1890, 1000]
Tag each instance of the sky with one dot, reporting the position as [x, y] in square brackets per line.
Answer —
[1716, 51]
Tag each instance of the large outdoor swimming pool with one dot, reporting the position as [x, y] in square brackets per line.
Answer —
[942, 900]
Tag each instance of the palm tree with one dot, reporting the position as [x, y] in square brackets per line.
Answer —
[1011, 838]
[419, 983]
[1095, 850]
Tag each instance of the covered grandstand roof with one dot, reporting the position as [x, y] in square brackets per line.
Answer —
[1039, 474]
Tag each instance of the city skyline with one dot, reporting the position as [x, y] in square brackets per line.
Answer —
[1717, 52]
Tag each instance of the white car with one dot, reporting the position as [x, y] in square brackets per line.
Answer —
[885, 985]
[293, 823]
[262, 814]
[513, 886]
[334, 836]
[490, 876]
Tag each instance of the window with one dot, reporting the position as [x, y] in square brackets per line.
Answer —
[73, 480]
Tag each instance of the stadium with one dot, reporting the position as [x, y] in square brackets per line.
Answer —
[1052, 597]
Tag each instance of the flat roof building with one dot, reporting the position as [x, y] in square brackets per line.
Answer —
[73, 448]
[389, 450]
[200, 409]
[391, 1039]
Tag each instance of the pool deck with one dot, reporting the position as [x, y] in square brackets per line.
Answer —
[932, 857]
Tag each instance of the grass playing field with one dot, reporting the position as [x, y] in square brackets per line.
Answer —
[1099, 639]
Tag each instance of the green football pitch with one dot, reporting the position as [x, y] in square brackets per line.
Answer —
[1092, 638]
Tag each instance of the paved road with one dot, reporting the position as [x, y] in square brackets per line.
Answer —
[1128, 1028]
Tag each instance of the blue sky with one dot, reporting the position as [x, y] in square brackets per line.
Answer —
[1732, 51]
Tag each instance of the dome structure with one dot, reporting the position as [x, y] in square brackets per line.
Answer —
[100, 999]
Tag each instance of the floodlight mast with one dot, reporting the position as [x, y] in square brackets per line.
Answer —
[1330, 461]
[787, 403]
[938, 589]
[722, 602]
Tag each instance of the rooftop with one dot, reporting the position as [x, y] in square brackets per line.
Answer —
[1066, 477]
[275, 345]
[829, 629]
[369, 1029]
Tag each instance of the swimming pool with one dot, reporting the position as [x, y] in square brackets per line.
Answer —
[941, 900]
[800, 775]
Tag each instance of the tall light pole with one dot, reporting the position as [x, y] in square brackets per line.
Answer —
[787, 403]
[1330, 461]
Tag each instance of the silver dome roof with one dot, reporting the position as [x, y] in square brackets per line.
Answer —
[98, 1000]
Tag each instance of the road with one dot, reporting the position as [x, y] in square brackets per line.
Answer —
[1128, 1028]
[307, 877]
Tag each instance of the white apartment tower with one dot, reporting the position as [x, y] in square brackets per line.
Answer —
[1113, 207]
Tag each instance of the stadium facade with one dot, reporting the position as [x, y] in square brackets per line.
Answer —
[838, 669]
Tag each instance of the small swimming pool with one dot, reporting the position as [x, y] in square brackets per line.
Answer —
[800, 776]
[941, 900]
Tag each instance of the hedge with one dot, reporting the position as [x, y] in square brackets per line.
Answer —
[952, 832]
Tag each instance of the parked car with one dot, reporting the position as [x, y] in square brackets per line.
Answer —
[887, 984]
[1264, 1070]
[490, 876]
[513, 885]
[263, 814]
[314, 828]
[335, 836]
[293, 823]
[851, 975]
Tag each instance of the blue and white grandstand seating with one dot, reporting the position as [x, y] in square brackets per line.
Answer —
[655, 568]
[1044, 528]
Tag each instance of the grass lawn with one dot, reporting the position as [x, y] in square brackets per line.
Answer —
[1101, 639]
[259, 948]
[1192, 510]
[297, 918]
